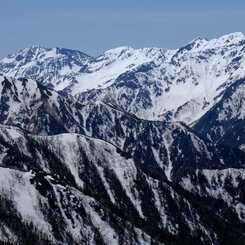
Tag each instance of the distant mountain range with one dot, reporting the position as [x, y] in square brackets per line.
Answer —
[132, 147]
[151, 83]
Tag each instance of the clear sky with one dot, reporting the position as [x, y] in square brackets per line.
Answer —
[94, 26]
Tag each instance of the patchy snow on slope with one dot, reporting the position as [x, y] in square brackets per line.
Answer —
[217, 187]
[17, 187]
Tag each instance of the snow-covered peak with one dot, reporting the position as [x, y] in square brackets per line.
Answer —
[38, 53]
[234, 37]
[126, 52]
[201, 43]
[134, 56]
[35, 48]
[200, 39]
[49, 66]
[223, 41]
[102, 71]
[118, 51]
[27, 53]
[197, 42]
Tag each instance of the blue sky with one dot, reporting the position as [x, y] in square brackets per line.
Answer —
[94, 26]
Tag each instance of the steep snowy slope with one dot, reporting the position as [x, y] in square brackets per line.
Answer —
[52, 67]
[100, 195]
[222, 184]
[37, 109]
[37, 208]
[225, 122]
[171, 148]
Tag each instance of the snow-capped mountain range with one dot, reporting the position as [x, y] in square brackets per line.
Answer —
[152, 83]
[132, 147]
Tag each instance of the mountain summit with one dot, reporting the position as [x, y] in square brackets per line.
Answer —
[51, 67]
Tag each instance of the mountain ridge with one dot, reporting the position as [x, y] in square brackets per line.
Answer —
[161, 145]
[136, 146]
[83, 190]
